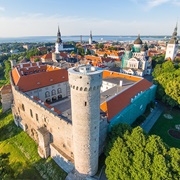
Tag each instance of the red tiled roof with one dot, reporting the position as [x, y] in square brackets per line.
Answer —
[47, 56]
[34, 79]
[122, 100]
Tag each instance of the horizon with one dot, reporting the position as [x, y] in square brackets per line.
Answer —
[88, 36]
[132, 17]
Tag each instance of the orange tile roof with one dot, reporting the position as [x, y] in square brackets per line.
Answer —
[107, 73]
[47, 56]
[122, 100]
[34, 80]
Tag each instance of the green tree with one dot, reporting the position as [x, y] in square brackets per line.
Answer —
[136, 155]
[36, 59]
[100, 46]
[6, 171]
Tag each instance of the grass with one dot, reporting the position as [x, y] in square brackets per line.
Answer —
[23, 158]
[162, 126]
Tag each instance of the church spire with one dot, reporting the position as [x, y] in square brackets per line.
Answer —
[90, 38]
[59, 36]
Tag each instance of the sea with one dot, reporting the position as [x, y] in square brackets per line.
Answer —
[103, 38]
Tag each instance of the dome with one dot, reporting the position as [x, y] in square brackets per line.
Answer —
[174, 33]
[172, 41]
[138, 40]
[59, 40]
[128, 48]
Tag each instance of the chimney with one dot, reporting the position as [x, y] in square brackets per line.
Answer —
[120, 83]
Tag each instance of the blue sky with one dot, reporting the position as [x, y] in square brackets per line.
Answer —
[103, 17]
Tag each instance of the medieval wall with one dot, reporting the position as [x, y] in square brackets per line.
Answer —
[6, 97]
[31, 115]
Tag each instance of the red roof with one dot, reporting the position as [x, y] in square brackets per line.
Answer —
[47, 56]
[38, 77]
[113, 106]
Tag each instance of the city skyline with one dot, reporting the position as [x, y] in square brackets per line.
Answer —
[131, 17]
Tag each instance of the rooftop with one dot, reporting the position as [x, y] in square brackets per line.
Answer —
[29, 76]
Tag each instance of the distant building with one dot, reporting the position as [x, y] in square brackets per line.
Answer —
[90, 38]
[135, 60]
[172, 46]
[59, 47]
[27, 46]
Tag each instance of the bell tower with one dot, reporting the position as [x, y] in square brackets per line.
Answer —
[172, 46]
[59, 43]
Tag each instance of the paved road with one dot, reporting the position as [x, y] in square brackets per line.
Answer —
[152, 118]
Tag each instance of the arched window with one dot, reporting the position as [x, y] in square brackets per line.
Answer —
[53, 92]
[47, 94]
[59, 90]
[23, 108]
[31, 113]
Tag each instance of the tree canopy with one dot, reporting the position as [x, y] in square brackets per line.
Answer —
[136, 155]
[166, 76]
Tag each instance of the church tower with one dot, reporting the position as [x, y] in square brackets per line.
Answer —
[85, 82]
[172, 46]
[90, 38]
[58, 44]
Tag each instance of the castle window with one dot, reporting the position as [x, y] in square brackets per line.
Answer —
[85, 89]
[59, 90]
[53, 92]
[47, 94]
[31, 113]
[37, 117]
[85, 103]
[23, 108]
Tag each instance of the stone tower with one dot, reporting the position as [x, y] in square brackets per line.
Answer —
[85, 82]
[172, 46]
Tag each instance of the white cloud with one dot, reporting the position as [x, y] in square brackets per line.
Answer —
[2, 8]
[154, 3]
[30, 25]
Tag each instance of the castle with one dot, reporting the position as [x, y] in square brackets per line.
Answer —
[68, 113]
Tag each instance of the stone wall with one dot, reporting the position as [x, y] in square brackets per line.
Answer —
[6, 97]
[31, 116]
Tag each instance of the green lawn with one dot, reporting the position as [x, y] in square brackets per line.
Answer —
[23, 158]
[162, 126]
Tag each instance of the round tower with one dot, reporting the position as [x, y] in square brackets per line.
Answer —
[85, 82]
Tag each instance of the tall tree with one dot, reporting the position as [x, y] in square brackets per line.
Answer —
[136, 155]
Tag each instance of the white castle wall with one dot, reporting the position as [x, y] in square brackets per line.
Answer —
[85, 103]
